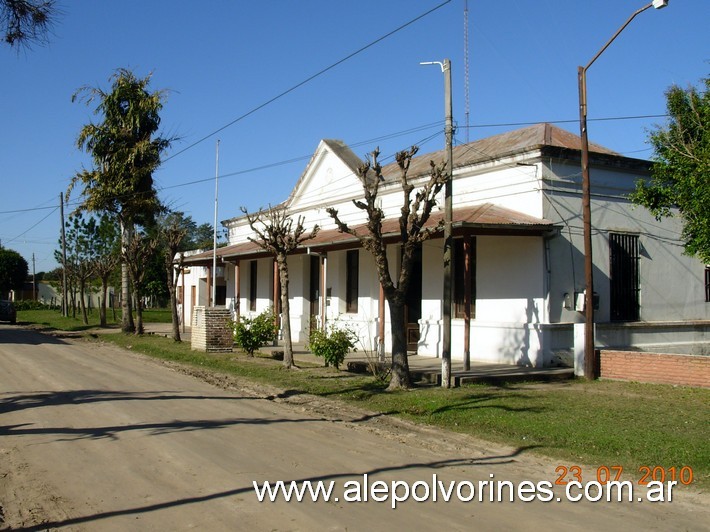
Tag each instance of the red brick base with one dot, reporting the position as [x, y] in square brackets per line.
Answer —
[684, 370]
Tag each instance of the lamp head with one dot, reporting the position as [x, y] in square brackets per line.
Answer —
[660, 4]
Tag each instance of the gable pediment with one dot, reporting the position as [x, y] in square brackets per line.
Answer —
[329, 177]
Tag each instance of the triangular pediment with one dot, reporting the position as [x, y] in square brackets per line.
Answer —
[329, 177]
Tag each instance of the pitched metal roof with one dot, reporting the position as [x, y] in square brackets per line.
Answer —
[503, 145]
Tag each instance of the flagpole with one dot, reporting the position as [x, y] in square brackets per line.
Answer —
[214, 243]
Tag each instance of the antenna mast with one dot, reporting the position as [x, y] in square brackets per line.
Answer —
[465, 63]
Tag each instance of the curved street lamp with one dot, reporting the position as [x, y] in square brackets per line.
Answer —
[590, 363]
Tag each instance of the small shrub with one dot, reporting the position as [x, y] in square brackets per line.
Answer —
[332, 344]
[252, 333]
[30, 304]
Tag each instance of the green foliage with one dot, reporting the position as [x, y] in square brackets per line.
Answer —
[23, 22]
[124, 148]
[332, 344]
[252, 333]
[681, 170]
[13, 271]
[29, 304]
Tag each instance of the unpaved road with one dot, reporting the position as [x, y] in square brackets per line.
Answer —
[93, 437]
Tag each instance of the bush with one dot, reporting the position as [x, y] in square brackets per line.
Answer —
[30, 304]
[332, 344]
[252, 333]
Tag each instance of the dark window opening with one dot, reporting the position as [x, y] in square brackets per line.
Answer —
[624, 276]
[351, 282]
[459, 288]
[252, 286]
[707, 284]
[220, 295]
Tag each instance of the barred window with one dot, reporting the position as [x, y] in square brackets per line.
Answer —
[624, 276]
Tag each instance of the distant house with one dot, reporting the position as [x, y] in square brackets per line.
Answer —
[517, 215]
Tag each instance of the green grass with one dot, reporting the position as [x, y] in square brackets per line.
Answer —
[53, 319]
[603, 423]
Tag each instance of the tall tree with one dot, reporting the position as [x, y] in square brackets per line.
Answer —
[126, 149]
[414, 214]
[681, 170]
[13, 271]
[26, 21]
[277, 235]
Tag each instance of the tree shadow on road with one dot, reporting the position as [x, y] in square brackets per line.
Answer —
[15, 401]
[18, 335]
[151, 429]
[438, 465]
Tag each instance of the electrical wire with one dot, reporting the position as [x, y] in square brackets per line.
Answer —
[308, 79]
[388, 136]
[35, 225]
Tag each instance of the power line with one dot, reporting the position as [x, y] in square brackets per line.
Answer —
[356, 144]
[361, 143]
[308, 79]
[570, 121]
[35, 225]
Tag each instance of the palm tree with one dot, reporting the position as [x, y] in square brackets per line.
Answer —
[125, 151]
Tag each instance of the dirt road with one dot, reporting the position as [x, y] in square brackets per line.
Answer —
[93, 437]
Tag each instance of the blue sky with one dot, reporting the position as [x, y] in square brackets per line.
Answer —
[221, 59]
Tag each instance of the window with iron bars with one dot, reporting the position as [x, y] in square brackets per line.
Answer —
[624, 276]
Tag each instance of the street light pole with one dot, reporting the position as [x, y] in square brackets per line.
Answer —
[448, 216]
[590, 363]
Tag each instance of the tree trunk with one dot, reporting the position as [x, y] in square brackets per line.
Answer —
[400, 363]
[172, 289]
[102, 306]
[285, 313]
[139, 311]
[73, 300]
[175, 317]
[82, 302]
[127, 325]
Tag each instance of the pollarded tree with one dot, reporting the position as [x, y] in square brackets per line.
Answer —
[13, 271]
[277, 235]
[126, 149]
[173, 229]
[415, 213]
[136, 252]
[681, 169]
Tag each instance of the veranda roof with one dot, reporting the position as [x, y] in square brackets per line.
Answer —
[484, 219]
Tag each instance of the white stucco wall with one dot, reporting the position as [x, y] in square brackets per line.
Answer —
[521, 281]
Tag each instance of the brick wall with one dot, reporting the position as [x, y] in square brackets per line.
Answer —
[210, 330]
[685, 370]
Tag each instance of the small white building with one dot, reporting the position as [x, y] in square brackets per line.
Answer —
[517, 209]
